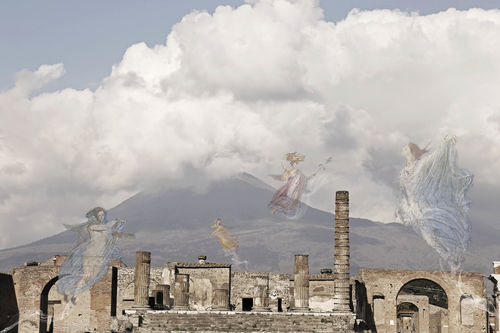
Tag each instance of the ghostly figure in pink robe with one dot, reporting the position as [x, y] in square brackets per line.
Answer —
[286, 201]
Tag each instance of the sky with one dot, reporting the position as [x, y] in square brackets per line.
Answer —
[101, 100]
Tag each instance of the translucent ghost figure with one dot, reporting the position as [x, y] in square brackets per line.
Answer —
[91, 257]
[286, 201]
[229, 243]
[433, 199]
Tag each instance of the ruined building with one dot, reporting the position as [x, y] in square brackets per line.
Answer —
[209, 297]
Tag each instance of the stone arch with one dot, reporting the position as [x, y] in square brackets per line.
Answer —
[407, 317]
[44, 304]
[435, 277]
[426, 287]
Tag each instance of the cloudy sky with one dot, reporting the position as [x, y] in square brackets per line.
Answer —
[101, 100]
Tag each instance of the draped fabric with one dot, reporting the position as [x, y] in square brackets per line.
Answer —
[92, 256]
[228, 242]
[286, 201]
[433, 201]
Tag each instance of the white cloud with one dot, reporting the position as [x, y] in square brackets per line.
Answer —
[235, 90]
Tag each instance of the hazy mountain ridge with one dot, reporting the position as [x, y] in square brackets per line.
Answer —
[175, 226]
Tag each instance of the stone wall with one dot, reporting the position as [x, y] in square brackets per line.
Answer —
[383, 287]
[202, 284]
[321, 294]
[40, 305]
[243, 283]
[222, 321]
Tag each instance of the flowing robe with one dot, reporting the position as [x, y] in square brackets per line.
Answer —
[433, 201]
[228, 242]
[286, 200]
[91, 258]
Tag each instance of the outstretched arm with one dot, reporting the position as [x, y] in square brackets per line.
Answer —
[76, 227]
[321, 167]
[122, 235]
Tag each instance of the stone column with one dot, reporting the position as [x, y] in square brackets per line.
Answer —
[141, 279]
[165, 290]
[291, 292]
[181, 292]
[221, 300]
[341, 264]
[301, 283]
[261, 294]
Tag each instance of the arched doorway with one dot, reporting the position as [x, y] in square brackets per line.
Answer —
[46, 318]
[407, 318]
[422, 307]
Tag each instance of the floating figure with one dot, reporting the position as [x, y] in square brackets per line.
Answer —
[287, 199]
[91, 258]
[433, 199]
[229, 243]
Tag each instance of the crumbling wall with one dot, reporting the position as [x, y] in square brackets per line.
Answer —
[383, 287]
[86, 311]
[243, 283]
[202, 284]
[321, 294]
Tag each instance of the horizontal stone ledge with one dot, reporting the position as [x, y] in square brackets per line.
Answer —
[248, 313]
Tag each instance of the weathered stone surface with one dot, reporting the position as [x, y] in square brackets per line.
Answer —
[181, 292]
[141, 279]
[301, 283]
[383, 292]
[261, 294]
[227, 321]
[341, 252]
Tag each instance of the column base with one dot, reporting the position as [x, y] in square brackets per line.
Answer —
[261, 309]
[220, 308]
[180, 308]
[342, 309]
[300, 310]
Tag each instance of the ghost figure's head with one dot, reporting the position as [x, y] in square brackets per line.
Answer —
[217, 224]
[412, 152]
[97, 215]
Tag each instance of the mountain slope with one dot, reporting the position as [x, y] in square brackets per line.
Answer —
[175, 226]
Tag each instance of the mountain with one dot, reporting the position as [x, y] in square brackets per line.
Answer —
[175, 225]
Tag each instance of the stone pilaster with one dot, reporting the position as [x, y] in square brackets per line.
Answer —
[261, 294]
[221, 300]
[181, 292]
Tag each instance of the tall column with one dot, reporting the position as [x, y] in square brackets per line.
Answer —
[221, 300]
[164, 289]
[261, 294]
[301, 283]
[181, 292]
[141, 279]
[341, 254]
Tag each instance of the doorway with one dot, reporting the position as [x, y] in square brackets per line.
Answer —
[247, 304]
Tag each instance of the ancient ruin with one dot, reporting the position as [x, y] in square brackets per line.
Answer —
[210, 297]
